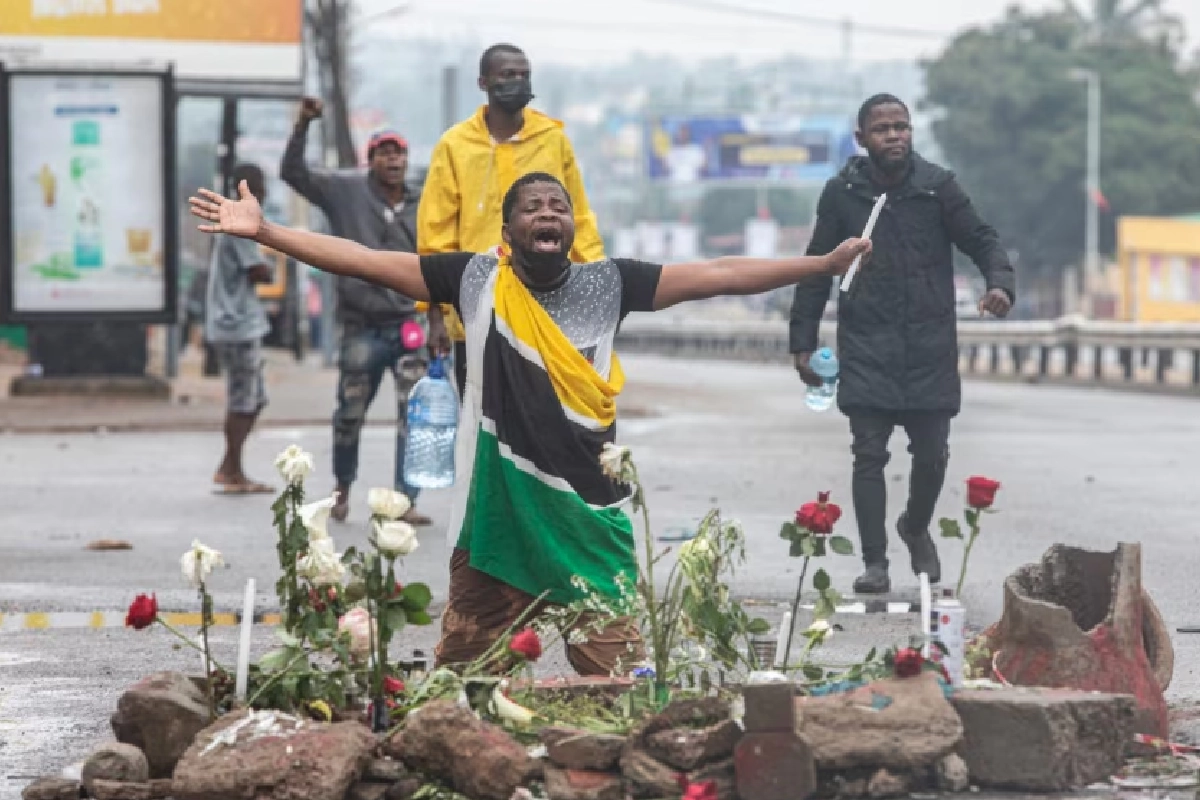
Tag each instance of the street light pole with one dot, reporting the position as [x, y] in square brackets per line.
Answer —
[1092, 221]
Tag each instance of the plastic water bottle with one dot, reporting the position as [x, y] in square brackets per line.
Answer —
[825, 364]
[432, 425]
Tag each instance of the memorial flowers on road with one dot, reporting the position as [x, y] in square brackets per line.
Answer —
[811, 536]
[981, 496]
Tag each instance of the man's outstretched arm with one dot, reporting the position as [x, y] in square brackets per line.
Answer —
[735, 275]
[400, 272]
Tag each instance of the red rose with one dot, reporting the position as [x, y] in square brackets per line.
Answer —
[820, 516]
[981, 492]
[143, 611]
[527, 645]
[314, 599]
[909, 663]
[392, 685]
[704, 790]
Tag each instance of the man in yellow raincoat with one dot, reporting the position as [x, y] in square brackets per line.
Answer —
[475, 163]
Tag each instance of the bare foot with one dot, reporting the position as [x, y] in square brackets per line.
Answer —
[242, 485]
[341, 509]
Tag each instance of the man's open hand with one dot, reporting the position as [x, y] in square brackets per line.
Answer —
[996, 302]
[241, 218]
[841, 258]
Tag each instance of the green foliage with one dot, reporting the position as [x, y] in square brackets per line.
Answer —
[1012, 123]
[725, 209]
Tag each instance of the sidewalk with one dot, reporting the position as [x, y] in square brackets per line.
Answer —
[300, 394]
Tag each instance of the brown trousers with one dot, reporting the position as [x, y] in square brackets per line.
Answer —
[481, 608]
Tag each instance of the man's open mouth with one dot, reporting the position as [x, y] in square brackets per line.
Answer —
[547, 240]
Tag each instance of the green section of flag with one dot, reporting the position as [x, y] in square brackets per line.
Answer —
[536, 536]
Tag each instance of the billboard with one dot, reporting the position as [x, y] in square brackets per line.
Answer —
[690, 149]
[87, 166]
[208, 41]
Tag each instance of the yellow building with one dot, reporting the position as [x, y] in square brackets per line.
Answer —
[1158, 262]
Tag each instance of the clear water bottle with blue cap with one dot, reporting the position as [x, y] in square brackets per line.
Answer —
[825, 364]
[432, 425]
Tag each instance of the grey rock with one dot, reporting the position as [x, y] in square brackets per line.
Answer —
[52, 789]
[161, 715]
[115, 762]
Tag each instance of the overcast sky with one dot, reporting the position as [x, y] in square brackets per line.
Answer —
[582, 31]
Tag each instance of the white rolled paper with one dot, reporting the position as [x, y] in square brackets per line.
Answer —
[926, 603]
[871, 220]
[243, 657]
[785, 627]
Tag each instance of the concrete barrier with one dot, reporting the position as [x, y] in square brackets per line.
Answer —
[1160, 356]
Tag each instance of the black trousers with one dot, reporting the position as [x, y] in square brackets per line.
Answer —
[928, 442]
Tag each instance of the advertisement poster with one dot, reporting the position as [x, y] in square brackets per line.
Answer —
[685, 150]
[206, 40]
[86, 167]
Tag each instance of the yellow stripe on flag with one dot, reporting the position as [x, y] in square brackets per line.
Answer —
[576, 383]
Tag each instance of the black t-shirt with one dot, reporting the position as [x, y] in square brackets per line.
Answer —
[443, 274]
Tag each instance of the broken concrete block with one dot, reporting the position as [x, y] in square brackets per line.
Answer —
[1043, 740]
[685, 749]
[578, 784]
[899, 723]
[571, 748]
[776, 765]
[769, 707]
[1082, 620]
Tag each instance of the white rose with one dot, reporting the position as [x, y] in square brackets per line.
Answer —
[612, 460]
[321, 564]
[394, 539]
[357, 622]
[819, 631]
[388, 504]
[294, 465]
[315, 517]
[198, 562]
[697, 548]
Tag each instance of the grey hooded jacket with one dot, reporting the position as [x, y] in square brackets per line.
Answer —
[357, 209]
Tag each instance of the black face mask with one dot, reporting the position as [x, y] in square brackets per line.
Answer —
[511, 96]
[544, 268]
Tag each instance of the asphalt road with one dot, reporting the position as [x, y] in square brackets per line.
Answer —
[1083, 467]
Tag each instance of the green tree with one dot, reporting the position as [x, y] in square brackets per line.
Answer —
[1012, 123]
[1121, 20]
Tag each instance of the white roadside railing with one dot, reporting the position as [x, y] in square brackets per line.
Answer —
[1165, 355]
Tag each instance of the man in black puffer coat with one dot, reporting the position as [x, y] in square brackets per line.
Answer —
[897, 331]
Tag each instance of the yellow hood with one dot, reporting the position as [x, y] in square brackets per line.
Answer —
[461, 202]
[469, 174]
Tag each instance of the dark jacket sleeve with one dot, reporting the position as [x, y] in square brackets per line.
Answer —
[310, 184]
[808, 304]
[976, 238]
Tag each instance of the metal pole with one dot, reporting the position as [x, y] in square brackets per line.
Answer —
[330, 332]
[449, 97]
[1092, 227]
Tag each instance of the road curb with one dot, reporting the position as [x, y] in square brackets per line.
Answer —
[58, 620]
